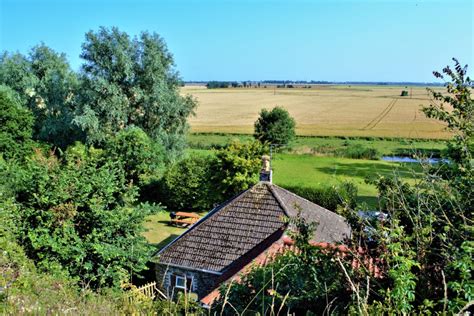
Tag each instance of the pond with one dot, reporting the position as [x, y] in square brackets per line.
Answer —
[410, 159]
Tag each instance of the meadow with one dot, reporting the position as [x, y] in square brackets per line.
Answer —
[322, 110]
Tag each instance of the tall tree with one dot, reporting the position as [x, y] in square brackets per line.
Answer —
[47, 85]
[132, 82]
[15, 125]
[275, 127]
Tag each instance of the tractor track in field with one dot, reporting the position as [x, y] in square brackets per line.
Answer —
[376, 120]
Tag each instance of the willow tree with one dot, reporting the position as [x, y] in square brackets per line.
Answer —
[47, 86]
[132, 81]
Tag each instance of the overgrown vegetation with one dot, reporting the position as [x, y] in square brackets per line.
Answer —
[296, 282]
[76, 150]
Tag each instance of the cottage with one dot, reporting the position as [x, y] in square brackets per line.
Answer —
[236, 233]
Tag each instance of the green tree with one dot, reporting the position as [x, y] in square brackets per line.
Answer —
[132, 82]
[141, 157]
[237, 167]
[47, 85]
[275, 127]
[16, 124]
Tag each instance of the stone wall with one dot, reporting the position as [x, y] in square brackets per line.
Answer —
[203, 283]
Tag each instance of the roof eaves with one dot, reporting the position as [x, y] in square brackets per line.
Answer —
[190, 268]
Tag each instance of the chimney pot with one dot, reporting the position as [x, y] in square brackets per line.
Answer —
[266, 171]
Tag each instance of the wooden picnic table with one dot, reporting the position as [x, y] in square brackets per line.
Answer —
[184, 218]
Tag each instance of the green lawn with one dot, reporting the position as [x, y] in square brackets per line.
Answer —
[159, 232]
[314, 171]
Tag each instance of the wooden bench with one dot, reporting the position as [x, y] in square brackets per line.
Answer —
[185, 218]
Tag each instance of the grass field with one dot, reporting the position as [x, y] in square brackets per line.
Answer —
[323, 110]
[313, 171]
[311, 144]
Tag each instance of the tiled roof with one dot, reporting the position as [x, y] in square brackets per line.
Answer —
[331, 227]
[237, 226]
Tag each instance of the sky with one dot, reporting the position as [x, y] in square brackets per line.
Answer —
[332, 40]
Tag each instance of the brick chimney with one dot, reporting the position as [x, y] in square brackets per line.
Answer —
[266, 171]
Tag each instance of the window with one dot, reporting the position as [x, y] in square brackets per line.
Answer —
[180, 282]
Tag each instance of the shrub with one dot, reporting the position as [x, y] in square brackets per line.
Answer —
[187, 185]
[358, 152]
[330, 197]
[79, 214]
[237, 167]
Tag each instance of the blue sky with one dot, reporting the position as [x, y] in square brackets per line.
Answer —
[256, 40]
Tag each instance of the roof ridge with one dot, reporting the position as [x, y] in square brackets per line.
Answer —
[278, 198]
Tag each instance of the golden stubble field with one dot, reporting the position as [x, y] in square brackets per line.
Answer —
[323, 110]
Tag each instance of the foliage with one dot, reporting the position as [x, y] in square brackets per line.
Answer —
[47, 85]
[131, 82]
[321, 145]
[16, 125]
[24, 290]
[184, 305]
[199, 182]
[427, 240]
[275, 127]
[187, 185]
[237, 167]
[330, 197]
[78, 214]
[141, 158]
[358, 152]
[456, 110]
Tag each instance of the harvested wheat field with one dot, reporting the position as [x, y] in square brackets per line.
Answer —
[322, 110]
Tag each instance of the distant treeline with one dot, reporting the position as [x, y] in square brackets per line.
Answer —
[286, 83]
[233, 84]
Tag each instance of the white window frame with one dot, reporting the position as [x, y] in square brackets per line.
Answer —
[180, 277]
